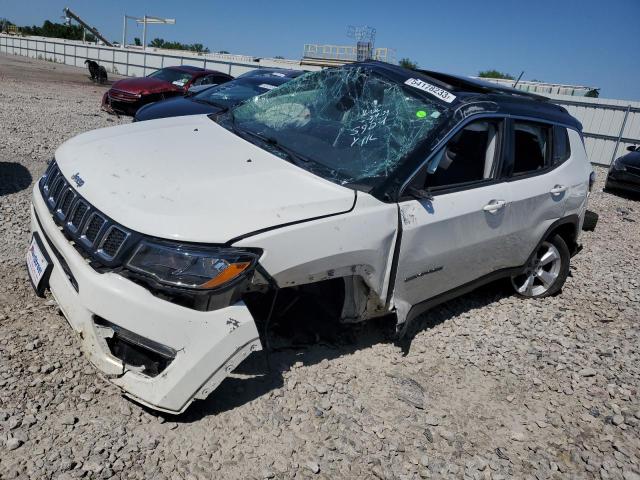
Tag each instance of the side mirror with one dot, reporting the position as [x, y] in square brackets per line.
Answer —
[632, 148]
[419, 193]
[193, 89]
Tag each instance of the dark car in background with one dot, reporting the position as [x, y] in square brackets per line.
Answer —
[218, 98]
[272, 72]
[624, 173]
[128, 95]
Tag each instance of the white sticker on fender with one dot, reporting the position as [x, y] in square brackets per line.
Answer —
[432, 89]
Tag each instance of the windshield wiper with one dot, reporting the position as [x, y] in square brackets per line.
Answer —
[292, 154]
[295, 157]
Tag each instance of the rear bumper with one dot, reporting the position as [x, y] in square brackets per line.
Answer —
[207, 345]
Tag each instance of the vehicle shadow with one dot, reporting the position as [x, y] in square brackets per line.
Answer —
[626, 194]
[14, 178]
[106, 84]
[261, 374]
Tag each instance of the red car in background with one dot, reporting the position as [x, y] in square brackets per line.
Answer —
[128, 95]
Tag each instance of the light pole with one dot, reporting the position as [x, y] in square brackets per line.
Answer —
[145, 20]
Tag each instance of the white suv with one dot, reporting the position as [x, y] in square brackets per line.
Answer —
[170, 244]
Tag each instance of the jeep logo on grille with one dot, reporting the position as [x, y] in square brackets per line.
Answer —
[76, 178]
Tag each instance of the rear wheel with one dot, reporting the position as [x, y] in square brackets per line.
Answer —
[546, 270]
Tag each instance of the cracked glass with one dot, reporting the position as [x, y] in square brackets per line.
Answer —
[351, 125]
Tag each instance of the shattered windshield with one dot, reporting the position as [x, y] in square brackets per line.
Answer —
[352, 122]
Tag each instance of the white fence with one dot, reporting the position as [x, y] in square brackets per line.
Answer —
[541, 88]
[609, 125]
[131, 61]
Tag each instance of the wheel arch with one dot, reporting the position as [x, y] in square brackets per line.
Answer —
[568, 228]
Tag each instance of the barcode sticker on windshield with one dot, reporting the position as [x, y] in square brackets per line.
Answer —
[266, 86]
[432, 89]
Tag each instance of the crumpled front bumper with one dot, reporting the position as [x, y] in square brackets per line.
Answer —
[208, 345]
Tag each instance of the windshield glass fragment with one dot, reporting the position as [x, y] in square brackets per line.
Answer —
[353, 122]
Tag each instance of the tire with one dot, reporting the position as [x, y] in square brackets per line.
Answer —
[608, 188]
[546, 270]
[590, 221]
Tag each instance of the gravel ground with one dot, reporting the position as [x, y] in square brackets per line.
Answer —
[492, 386]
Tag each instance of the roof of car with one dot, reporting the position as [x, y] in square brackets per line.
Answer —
[509, 100]
[276, 72]
[268, 79]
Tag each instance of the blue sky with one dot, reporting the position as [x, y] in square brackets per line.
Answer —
[584, 42]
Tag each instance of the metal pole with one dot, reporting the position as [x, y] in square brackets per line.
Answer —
[124, 31]
[95, 32]
[624, 123]
[518, 80]
[144, 32]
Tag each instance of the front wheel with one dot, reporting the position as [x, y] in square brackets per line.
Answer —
[546, 270]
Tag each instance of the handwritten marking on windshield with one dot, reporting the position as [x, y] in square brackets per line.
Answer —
[369, 120]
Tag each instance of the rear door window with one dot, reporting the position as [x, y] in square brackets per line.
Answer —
[532, 147]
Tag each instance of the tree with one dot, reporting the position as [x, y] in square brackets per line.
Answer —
[495, 74]
[408, 63]
[137, 42]
[593, 93]
[162, 43]
[157, 43]
[279, 57]
[5, 24]
[58, 30]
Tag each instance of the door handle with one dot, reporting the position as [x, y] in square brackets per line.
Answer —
[494, 205]
[558, 189]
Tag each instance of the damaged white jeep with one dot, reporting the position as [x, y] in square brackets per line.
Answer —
[168, 243]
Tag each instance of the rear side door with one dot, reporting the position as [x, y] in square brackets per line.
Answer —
[459, 235]
[540, 182]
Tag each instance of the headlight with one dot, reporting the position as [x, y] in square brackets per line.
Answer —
[192, 267]
[618, 165]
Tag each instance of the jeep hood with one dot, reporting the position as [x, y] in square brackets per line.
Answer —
[187, 178]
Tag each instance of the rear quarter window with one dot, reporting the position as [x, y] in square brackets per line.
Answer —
[561, 145]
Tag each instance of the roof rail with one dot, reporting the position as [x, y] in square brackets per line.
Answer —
[480, 86]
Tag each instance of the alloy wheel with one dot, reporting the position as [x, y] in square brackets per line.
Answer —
[541, 272]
